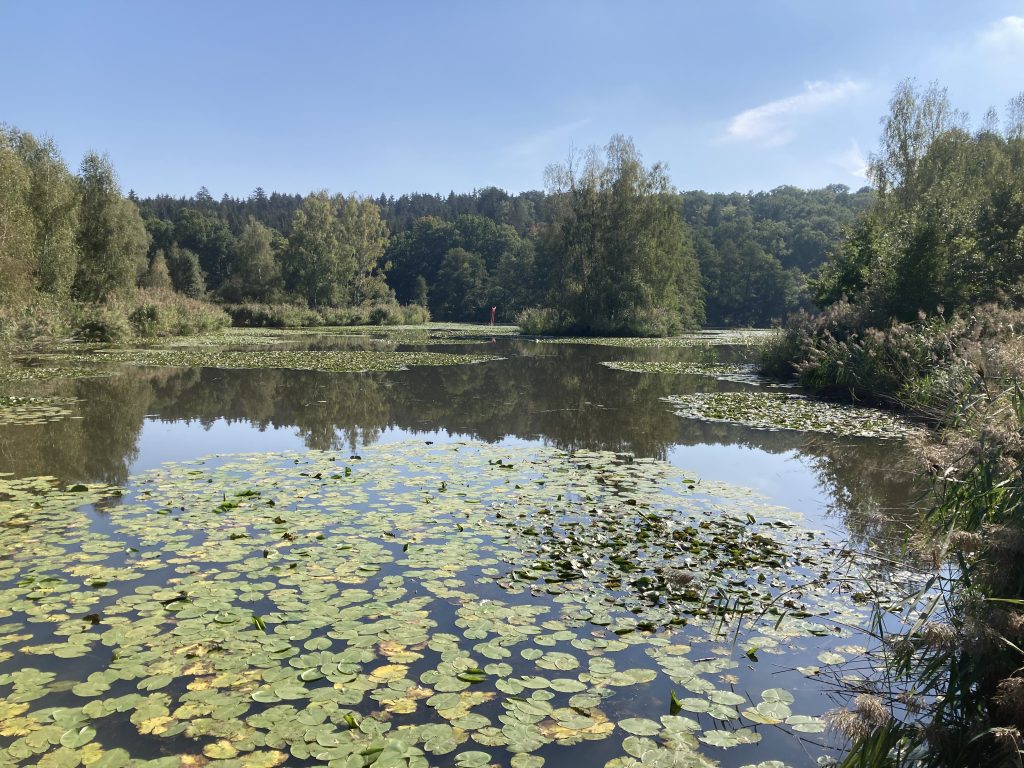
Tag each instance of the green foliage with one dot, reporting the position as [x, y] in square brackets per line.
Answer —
[538, 321]
[461, 269]
[158, 312]
[111, 237]
[147, 314]
[946, 227]
[619, 257]
[334, 251]
[187, 275]
[462, 285]
[756, 250]
[299, 316]
[53, 200]
[364, 236]
[157, 275]
[206, 235]
[255, 266]
[17, 227]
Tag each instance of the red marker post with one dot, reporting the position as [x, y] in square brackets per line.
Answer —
[494, 315]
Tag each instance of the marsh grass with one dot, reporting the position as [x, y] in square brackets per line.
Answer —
[950, 676]
[297, 316]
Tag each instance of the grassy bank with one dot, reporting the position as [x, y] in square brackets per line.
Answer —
[948, 684]
[253, 315]
[143, 314]
[153, 313]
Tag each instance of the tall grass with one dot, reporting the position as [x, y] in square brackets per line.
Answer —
[141, 314]
[929, 368]
[301, 316]
[948, 683]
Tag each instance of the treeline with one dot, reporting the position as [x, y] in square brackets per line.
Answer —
[610, 247]
[461, 254]
[73, 250]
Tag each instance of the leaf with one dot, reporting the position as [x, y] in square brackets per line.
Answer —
[74, 739]
[639, 726]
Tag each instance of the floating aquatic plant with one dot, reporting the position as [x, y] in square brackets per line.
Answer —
[305, 360]
[34, 410]
[417, 603]
[772, 410]
[739, 337]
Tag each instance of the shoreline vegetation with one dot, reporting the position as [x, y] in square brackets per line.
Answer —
[921, 312]
[611, 248]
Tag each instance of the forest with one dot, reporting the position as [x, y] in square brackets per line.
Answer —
[554, 260]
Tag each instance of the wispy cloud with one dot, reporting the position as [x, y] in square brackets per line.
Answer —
[1007, 34]
[854, 161]
[772, 124]
[542, 142]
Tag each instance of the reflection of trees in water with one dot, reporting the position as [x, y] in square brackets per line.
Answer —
[100, 445]
[876, 488]
[558, 394]
[328, 410]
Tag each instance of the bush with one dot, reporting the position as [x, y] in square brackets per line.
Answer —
[414, 314]
[926, 368]
[252, 315]
[296, 316]
[539, 321]
[43, 318]
[101, 322]
[157, 312]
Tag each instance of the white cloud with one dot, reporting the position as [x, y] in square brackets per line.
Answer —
[771, 124]
[1007, 34]
[540, 143]
[853, 161]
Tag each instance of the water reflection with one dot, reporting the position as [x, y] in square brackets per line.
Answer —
[558, 394]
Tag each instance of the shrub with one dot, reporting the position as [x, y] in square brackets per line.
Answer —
[271, 315]
[539, 321]
[43, 318]
[101, 322]
[414, 314]
[925, 367]
[157, 312]
[298, 316]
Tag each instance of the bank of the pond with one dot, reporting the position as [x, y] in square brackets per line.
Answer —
[947, 687]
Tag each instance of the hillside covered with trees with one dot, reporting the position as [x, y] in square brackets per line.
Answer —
[610, 247]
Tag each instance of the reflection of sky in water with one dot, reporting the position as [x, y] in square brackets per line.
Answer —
[784, 478]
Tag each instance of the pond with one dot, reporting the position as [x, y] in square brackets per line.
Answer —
[441, 547]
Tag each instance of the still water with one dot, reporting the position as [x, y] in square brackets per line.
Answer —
[535, 403]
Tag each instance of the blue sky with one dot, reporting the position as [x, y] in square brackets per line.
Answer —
[424, 96]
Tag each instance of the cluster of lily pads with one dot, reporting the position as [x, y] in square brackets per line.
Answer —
[460, 604]
[679, 368]
[420, 335]
[34, 410]
[304, 360]
[773, 410]
[744, 337]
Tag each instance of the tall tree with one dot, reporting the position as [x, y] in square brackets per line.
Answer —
[364, 236]
[53, 200]
[17, 228]
[255, 266]
[157, 276]
[111, 236]
[317, 267]
[621, 258]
